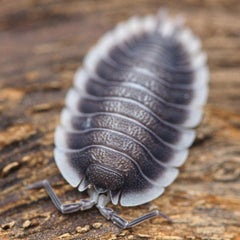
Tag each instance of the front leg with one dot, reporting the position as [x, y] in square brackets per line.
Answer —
[63, 208]
[109, 214]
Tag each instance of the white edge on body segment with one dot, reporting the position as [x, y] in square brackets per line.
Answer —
[91, 60]
[191, 43]
[199, 60]
[132, 27]
[141, 197]
[67, 170]
[200, 96]
[167, 177]
[201, 77]
[72, 99]
[186, 140]
[178, 159]
[194, 118]
[120, 33]
[166, 28]
[149, 23]
[65, 119]
[60, 137]
[80, 80]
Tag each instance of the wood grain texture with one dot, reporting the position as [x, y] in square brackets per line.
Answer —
[41, 45]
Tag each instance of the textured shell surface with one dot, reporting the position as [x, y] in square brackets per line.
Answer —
[129, 119]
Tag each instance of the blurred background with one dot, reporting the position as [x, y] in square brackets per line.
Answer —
[42, 43]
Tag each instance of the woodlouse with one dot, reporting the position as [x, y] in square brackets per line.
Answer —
[128, 121]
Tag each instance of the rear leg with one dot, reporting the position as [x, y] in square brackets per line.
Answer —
[83, 204]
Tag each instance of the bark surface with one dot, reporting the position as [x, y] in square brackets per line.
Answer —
[41, 45]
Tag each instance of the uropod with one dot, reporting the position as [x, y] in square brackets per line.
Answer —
[129, 119]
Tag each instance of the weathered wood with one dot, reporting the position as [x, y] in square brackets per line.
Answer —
[42, 44]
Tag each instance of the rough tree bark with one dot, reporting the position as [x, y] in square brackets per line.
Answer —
[42, 44]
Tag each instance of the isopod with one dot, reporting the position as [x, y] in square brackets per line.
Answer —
[129, 118]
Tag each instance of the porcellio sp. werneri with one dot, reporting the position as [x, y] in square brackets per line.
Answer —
[129, 118]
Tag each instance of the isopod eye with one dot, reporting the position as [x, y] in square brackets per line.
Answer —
[103, 178]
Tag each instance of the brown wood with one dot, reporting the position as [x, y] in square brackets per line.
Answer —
[41, 45]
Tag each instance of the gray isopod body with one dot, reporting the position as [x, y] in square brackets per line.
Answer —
[129, 118]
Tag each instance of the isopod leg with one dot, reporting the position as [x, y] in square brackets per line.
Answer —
[109, 214]
[146, 217]
[123, 223]
[63, 208]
